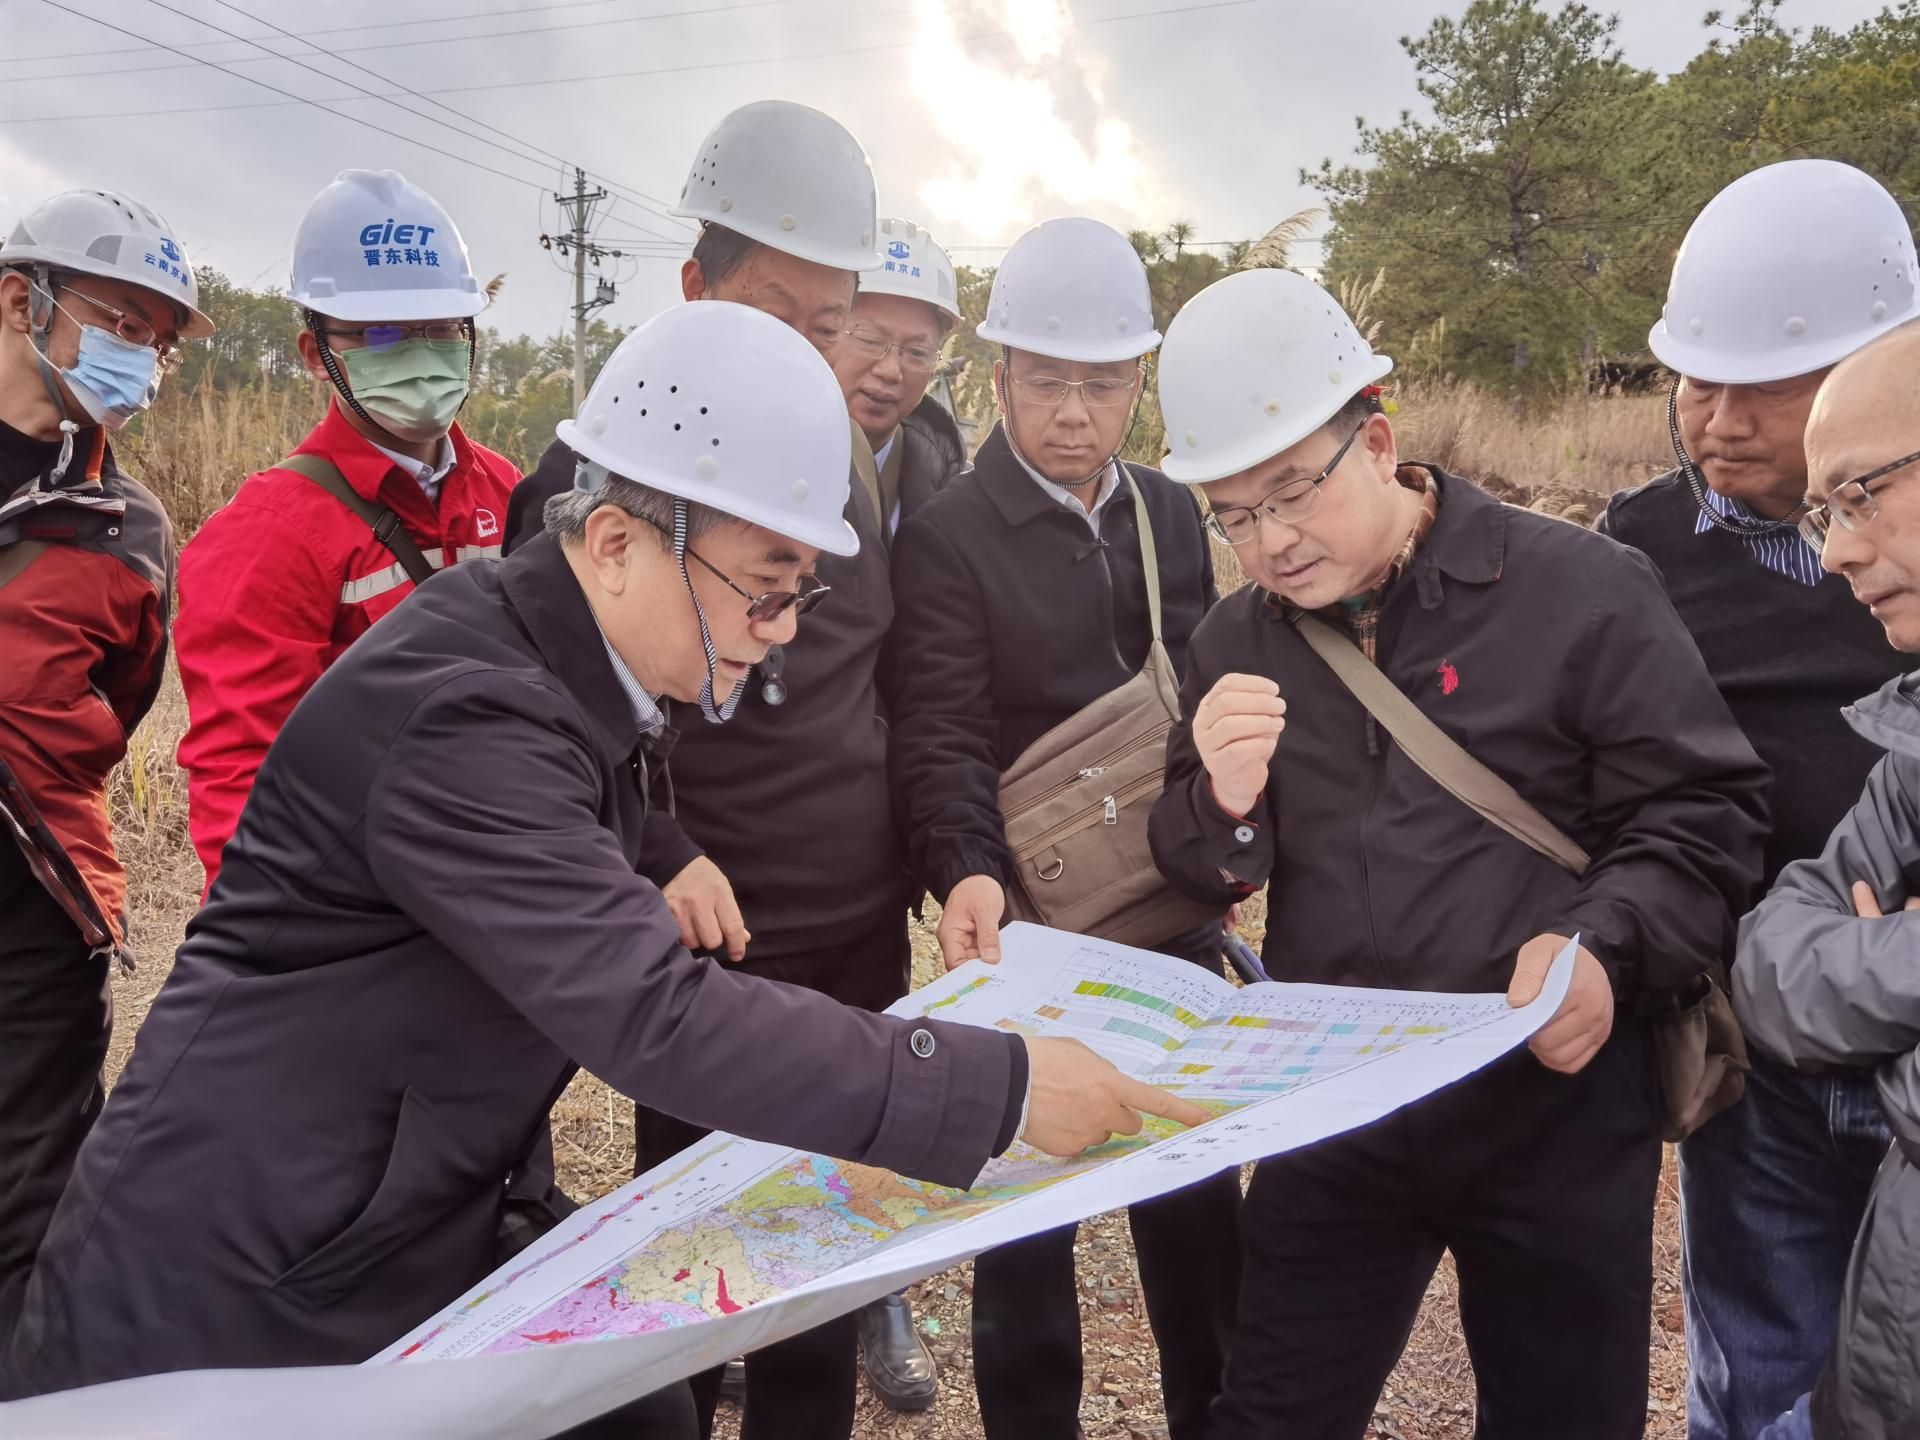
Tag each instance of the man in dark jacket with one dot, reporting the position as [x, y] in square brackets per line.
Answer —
[806, 752]
[87, 315]
[1827, 980]
[1555, 657]
[901, 315]
[1782, 273]
[430, 917]
[1022, 598]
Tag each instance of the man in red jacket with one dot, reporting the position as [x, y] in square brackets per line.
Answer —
[312, 551]
[95, 297]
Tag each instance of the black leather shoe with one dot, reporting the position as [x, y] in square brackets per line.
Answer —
[898, 1364]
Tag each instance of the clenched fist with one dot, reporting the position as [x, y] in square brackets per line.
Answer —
[1235, 729]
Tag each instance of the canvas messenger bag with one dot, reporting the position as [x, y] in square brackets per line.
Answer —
[1076, 801]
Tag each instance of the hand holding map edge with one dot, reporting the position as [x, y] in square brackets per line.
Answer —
[1077, 1100]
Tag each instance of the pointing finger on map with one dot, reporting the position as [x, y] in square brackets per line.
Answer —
[1076, 1100]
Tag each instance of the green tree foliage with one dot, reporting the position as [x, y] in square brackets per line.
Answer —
[1531, 223]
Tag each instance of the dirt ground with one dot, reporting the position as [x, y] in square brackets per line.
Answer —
[1429, 1397]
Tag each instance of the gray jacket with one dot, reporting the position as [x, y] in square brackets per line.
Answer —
[1818, 987]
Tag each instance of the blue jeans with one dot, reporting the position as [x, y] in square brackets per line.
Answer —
[1771, 1196]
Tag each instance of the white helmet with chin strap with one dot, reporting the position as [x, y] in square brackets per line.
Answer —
[789, 177]
[720, 405]
[913, 265]
[108, 236]
[1252, 365]
[1072, 289]
[1788, 270]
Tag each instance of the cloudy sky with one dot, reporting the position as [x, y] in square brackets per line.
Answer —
[982, 116]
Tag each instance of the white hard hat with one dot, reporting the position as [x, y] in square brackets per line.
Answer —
[1254, 364]
[98, 232]
[725, 406]
[1788, 270]
[913, 265]
[1072, 289]
[374, 247]
[789, 177]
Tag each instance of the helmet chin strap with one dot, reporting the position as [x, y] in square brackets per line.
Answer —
[1732, 524]
[715, 714]
[1005, 397]
[40, 320]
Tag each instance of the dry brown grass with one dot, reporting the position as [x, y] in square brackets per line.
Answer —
[196, 446]
[1582, 448]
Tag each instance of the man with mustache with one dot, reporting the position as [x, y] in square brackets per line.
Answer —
[1552, 655]
[1785, 272]
[1827, 980]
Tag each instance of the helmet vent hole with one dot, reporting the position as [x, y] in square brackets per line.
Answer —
[703, 409]
[676, 425]
[716, 440]
[673, 389]
[643, 412]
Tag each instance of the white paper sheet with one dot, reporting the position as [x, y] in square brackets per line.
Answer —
[734, 1244]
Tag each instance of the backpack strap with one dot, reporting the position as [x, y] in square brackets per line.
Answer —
[385, 525]
[1149, 558]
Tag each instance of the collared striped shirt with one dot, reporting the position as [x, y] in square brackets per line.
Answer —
[1781, 551]
[646, 710]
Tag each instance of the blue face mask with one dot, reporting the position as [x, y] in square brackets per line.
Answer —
[112, 379]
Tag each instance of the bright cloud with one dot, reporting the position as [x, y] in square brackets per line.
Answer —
[1028, 131]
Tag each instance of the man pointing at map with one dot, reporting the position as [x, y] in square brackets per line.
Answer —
[430, 917]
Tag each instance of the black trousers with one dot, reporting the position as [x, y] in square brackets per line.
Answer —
[1026, 1302]
[802, 1388]
[1541, 1185]
[56, 1016]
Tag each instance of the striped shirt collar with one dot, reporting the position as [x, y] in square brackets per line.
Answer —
[1781, 551]
[647, 715]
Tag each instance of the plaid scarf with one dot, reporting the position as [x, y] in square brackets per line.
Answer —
[1361, 613]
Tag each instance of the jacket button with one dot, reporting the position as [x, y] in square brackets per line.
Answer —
[922, 1043]
[1244, 834]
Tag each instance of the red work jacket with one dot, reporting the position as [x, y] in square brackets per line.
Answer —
[282, 579]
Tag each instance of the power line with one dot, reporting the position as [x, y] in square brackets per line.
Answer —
[295, 99]
[388, 25]
[640, 197]
[636, 74]
[398, 44]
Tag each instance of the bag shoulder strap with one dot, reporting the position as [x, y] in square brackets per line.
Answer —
[1438, 753]
[385, 525]
[1149, 557]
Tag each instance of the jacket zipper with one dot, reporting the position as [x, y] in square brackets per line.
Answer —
[1095, 770]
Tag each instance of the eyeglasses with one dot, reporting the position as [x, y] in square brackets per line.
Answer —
[1851, 503]
[1289, 503]
[773, 604]
[1099, 392]
[876, 348]
[130, 327]
[385, 337]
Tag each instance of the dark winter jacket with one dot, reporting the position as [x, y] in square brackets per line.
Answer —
[1554, 657]
[931, 453]
[86, 579]
[1786, 656]
[820, 862]
[1820, 988]
[428, 918]
[1012, 615]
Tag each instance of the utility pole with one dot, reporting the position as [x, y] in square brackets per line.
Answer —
[577, 208]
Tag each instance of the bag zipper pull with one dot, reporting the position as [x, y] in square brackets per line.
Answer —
[1111, 815]
[1090, 772]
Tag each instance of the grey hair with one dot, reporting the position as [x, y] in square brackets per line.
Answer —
[564, 516]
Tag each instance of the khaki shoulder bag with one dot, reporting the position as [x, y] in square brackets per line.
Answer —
[1697, 1041]
[1076, 801]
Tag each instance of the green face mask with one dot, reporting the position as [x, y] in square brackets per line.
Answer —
[414, 389]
